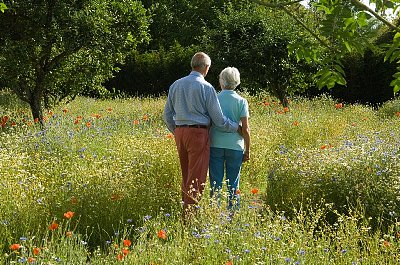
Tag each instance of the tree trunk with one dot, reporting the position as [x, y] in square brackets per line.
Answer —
[280, 93]
[35, 102]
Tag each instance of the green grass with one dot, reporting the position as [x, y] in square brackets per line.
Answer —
[327, 180]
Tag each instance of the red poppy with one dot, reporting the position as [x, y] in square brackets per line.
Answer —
[109, 109]
[145, 117]
[53, 226]
[285, 109]
[339, 105]
[398, 114]
[229, 262]
[13, 123]
[295, 123]
[4, 119]
[120, 257]
[127, 243]
[237, 192]
[31, 260]
[170, 136]
[65, 110]
[266, 104]
[69, 214]
[125, 251]
[36, 251]
[324, 146]
[14, 247]
[77, 121]
[36, 120]
[88, 124]
[162, 234]
[135, 122]
[254, 191]
[386, 244]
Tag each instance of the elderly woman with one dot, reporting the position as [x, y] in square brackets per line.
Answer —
[229, 150]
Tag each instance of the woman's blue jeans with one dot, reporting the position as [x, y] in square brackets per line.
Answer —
[230, 161]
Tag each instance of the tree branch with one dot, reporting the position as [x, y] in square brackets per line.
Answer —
[375, 14]
[305, 27]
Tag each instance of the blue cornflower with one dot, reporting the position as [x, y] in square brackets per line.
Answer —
[196, 235]
[147, 217]
[22, 260]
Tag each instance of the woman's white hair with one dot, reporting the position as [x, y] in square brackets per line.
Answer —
[229, 78]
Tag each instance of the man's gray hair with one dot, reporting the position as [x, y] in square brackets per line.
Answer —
[200, 60]
[230, 78]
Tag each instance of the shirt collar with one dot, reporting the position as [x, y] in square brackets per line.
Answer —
[226, 91]
[195, 73]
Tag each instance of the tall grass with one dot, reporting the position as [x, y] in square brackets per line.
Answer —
[322, 187]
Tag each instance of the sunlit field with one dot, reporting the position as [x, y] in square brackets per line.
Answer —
[100, 184]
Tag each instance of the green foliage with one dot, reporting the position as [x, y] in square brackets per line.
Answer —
[3, 7]
[152, 72]
[342, 27]
[255, 41]
[389, 109]
[182, 21]
[58, 49]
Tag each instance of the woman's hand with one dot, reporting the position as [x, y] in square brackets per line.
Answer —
[246, 156]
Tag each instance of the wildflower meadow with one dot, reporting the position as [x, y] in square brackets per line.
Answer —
[99, 183]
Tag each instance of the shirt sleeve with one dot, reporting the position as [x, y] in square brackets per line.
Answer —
[245, 109]
[169, 115]
[217, 117]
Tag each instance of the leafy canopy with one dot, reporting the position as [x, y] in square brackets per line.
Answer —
[55, 49]
[343, 27]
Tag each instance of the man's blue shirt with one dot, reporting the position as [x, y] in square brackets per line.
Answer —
[192, 100]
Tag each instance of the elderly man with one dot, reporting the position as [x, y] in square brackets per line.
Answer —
[192, 105]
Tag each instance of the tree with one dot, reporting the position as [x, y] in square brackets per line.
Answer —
[55, 49]
[255, 40]
[343, 28]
